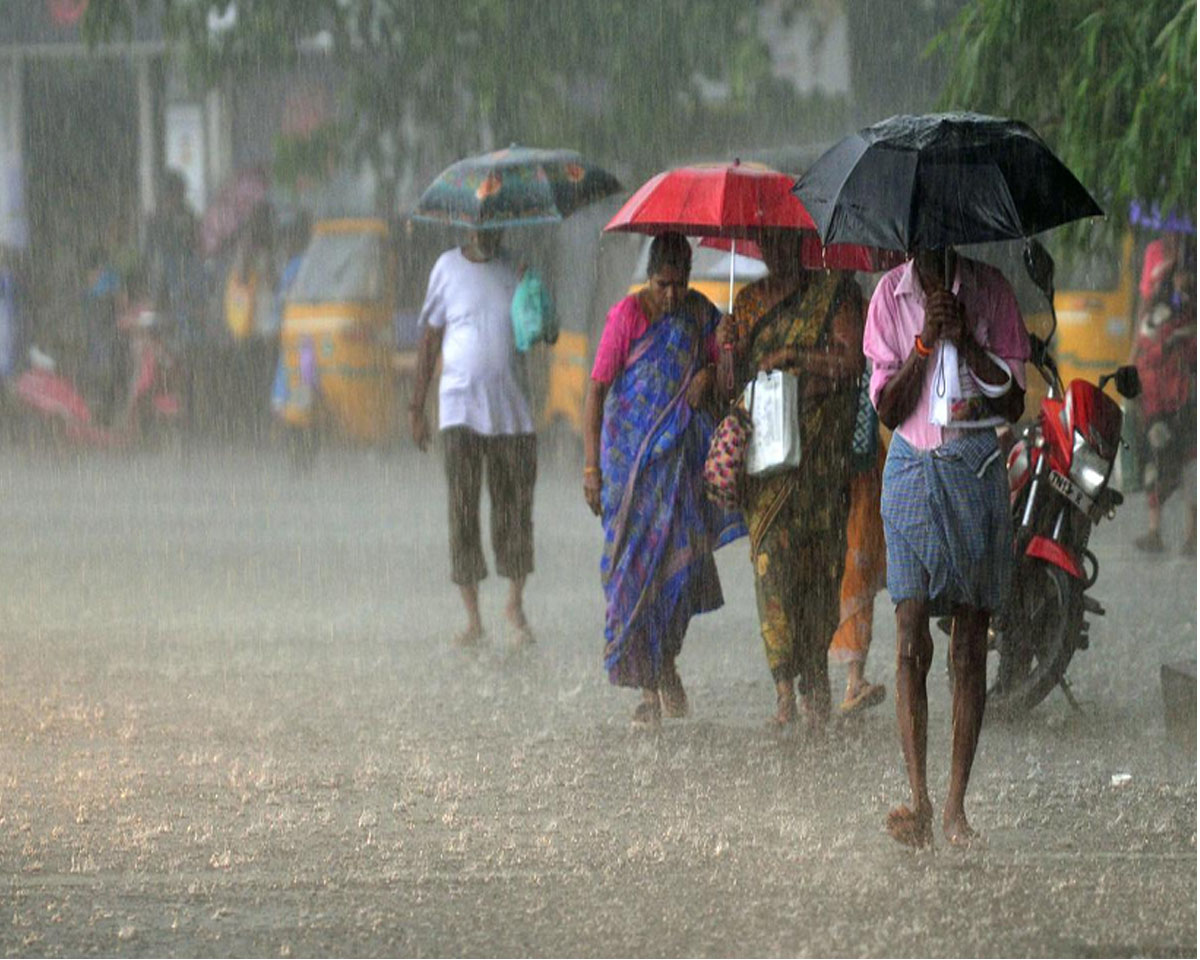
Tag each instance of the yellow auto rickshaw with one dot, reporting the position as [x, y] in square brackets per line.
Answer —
[338, 341]
[1096, 303]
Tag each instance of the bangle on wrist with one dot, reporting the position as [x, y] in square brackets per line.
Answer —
[591, 471]
[919, 345]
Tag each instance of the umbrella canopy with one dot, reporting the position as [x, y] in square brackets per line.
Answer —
[517, 186]
[937, 180]
[815, 256]
[730, 204]
[713, 200]
[231, 208]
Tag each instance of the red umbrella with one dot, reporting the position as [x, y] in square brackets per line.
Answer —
[734, 202]
[814, 256]
[714, 200]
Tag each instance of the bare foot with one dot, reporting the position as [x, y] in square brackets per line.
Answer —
[913, 829]
[648, 714]
[785, 706]
[815, 711]
[518, 630]
[470, 637]
[671, 693]
[957, 831]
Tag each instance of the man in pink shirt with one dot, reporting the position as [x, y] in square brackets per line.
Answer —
[948, 367]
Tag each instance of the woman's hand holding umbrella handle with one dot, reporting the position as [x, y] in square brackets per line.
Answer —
[727, 357]
[726, 331]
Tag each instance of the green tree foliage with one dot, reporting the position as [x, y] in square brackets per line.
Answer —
[624, 80]
[1111, 87]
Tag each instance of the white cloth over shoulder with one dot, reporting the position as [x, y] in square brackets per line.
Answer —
[483, 377]
[955, 386]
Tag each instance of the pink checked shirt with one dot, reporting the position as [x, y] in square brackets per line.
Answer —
[897, 313]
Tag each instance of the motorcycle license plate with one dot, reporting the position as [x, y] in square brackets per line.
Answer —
[1077, 497]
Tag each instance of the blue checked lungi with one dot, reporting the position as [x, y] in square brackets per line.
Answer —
[947, 523]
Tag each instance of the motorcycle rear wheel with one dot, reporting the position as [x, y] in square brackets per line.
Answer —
[1044, 624]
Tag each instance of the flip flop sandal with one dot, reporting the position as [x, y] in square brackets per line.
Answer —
[868, 695]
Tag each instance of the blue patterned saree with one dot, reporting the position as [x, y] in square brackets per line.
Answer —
[659, 528]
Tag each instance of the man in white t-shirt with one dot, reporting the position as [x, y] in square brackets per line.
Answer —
[484, 418]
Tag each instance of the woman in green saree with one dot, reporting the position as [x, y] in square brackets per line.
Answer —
[810, 323]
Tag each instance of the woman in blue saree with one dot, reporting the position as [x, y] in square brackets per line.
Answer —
[646, 434]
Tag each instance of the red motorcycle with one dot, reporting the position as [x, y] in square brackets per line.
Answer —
[1059, 473]
[53, 402]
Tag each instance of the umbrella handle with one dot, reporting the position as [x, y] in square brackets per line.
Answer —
[732, 261]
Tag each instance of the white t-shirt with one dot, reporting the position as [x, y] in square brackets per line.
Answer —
[482, 373]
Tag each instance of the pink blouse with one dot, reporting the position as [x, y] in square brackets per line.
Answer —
[623, 327]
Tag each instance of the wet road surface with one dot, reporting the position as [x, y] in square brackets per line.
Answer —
[231, 723]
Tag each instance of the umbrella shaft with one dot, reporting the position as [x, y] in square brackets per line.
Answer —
[732, 261]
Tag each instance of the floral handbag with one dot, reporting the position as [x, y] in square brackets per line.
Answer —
[725, 465]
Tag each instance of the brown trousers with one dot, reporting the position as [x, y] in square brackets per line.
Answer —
[511, 465]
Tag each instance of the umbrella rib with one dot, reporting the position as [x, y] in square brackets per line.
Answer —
[834, 200]
[1012, 203]
[914, 189]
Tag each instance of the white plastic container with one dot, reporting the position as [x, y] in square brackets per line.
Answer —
[773, 399]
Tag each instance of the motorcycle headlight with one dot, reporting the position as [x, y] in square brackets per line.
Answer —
[1088, 469]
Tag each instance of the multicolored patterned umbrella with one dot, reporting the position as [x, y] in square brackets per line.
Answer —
[517, 186]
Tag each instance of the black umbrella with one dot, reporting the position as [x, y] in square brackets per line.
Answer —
[937, 180]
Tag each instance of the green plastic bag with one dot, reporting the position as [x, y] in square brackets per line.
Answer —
[533, 316]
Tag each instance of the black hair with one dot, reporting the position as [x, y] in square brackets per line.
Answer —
[669, 250]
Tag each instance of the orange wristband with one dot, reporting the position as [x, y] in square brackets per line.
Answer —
[921, 349]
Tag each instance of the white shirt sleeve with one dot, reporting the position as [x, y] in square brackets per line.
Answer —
[433, 311]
